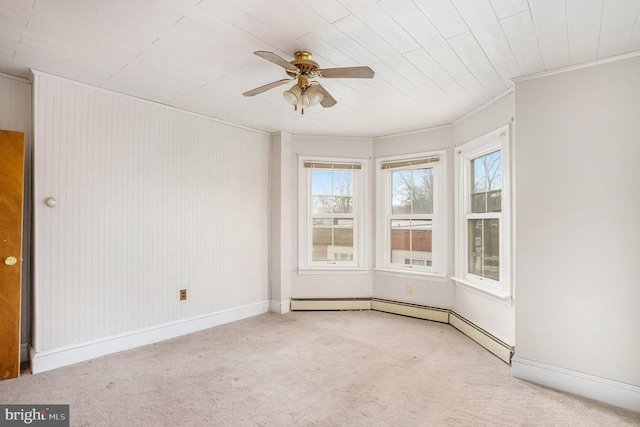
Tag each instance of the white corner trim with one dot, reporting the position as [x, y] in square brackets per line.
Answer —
[59, 357]
[280, 307]
[608, 391]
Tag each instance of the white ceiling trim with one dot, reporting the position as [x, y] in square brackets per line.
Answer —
[20, 79]
[340, 138]
[577, 66]
[413, 132]
[483, 106]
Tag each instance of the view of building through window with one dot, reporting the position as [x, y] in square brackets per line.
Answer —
[332, 215]
[410, 222]
[483, 221]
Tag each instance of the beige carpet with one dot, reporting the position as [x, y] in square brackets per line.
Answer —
[309, 369]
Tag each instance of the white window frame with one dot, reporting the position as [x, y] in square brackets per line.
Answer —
[437, 270]
[498, 139]
[306, 265]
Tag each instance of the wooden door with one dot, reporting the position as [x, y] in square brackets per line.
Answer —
[11, 195]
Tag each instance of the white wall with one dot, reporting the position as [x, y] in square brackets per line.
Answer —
[494, 315]
[329, 285]
[151, 200]
[394, 286]
[15, 115]
[578, 227]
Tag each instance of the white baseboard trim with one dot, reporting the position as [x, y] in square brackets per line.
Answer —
[612, 392]
[280, 307]
[57, 358]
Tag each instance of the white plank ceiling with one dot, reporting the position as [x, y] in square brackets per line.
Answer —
[435, 60]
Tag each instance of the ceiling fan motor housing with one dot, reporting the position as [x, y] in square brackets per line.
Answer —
[304, 63]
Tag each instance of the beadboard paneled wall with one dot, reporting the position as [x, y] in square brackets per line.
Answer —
[151, 200]
[15, 115]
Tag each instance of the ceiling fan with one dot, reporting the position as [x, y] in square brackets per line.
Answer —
[306, 92]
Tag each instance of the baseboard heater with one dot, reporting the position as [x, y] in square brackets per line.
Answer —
[328, 304]
[412, 310]
[443, 315]
[495, 345]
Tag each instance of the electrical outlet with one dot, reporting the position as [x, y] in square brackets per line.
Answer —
[183, 294]
[409, 289]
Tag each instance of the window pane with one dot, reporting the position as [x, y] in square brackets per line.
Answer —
[401, 184]
[322, 204]
[486, 183]
[332, 239]
[400, 238]
[332, 191]
[421, 240]
[322, 238]
[343, 232]
[342, 183]
[321, 183]
[412, 191]
[492, 249]
[342, 204]
[411, 240]
[423, 191]
[484, 248]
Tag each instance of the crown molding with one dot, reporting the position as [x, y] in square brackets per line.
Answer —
[577, 66]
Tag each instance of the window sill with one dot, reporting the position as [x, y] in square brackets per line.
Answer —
[332, 270]
[411, 274]
[501, 297]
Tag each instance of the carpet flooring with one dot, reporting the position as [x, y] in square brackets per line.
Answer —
[352, 368]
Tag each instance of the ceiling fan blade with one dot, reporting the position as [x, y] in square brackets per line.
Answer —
[347, 72]
[327, 99]
[266, 87]
[270, 56]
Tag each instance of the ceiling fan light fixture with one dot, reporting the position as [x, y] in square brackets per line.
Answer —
[307, 92]
[292, 95]
[314, 96]
[304, 101]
